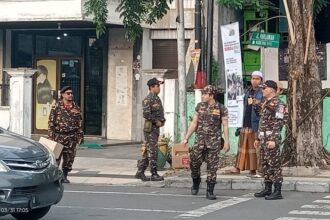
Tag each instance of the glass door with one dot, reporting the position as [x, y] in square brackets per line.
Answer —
[70, 74]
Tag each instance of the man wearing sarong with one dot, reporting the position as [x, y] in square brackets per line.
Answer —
[246, 158]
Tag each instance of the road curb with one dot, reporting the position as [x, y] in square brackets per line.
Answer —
[312, 186]
[252, 184]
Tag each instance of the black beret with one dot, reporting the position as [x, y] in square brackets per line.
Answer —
[270, 84]
[65, 88]
[154, 81]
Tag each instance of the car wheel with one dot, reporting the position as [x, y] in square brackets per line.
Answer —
[32, 215]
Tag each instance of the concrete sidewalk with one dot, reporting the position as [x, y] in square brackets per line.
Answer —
[117, 165]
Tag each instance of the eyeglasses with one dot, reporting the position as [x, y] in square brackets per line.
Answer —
[69, 93]
[264, 88]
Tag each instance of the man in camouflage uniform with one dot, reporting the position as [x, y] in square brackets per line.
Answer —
[207, 121]
[273, 117]
[153, 114]
[65, 127]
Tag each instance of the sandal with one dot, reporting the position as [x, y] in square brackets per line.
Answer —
[235, 171]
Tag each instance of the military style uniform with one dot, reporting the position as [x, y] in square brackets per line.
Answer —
[65, 127]
[153, 111]
[273, 117]
[208, 140]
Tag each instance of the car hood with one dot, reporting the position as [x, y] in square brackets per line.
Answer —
[14, 146]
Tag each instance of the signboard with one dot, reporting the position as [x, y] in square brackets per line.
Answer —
[195, 56]
[265, 39]
[233, 70]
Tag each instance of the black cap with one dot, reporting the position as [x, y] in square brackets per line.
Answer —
[154, 81]
[65, 88]
[270, 83]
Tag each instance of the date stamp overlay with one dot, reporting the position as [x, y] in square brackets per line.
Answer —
[13, 210]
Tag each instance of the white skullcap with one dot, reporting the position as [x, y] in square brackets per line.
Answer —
[257, 73]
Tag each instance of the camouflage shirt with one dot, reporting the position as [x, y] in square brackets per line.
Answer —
[273, 116]
[208, 129]
[153, 109]
[65, 124]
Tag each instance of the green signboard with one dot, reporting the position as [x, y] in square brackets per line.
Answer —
[265, 39]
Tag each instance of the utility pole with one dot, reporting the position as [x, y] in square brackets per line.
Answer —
[209, 41]
[198, 33]
[198, 24]
[181, 68]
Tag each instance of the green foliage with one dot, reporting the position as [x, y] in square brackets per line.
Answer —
[319, 5]
[136, 12]
[260, 4]
[98, 8]
[239, 4]
[133, 13]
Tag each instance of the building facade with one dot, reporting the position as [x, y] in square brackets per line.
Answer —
[55, 37]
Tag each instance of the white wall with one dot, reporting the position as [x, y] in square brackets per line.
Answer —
[4, 117]
[51, 10]
[40, 10]
[170, 111]
[119, 111]
[269, 66]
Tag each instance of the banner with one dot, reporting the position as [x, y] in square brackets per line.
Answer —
[195, 56]
[233, 70]
[45, 85]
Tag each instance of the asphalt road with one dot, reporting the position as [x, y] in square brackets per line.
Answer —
[114, 202]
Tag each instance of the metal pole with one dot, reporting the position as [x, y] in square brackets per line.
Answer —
[203, 38]
[209, 40]
[181, 69]
[198, 24]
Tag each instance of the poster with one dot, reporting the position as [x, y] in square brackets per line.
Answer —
[233, 70]
[121, 85]
[195, 57]
[45, 85]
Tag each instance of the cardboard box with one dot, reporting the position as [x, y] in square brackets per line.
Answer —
[53, 146]
[180, 156]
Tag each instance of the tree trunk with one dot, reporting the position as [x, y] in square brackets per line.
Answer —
[304, 146]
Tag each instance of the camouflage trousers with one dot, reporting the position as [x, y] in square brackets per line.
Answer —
[271, 164]
[210, 155]
[151, 152]
[68, 154]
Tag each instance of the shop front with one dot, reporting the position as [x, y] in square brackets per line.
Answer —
[63, 57]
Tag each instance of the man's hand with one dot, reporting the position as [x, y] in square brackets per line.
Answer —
[159, 124]
[226, 146]
[256, 144]
[270, 144]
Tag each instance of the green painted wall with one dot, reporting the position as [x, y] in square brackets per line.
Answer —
[326, 123]
[234, 139]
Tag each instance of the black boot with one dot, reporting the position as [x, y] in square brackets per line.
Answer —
[195, 186]
[155, 176]
[140, 175]
[209, 191]
[277, 192]
[266, 192]
[65, 176]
